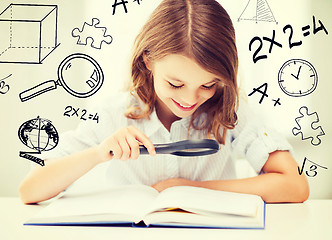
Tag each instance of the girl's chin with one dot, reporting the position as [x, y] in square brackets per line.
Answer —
[182, 114]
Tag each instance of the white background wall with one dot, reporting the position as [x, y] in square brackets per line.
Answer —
[114, 58]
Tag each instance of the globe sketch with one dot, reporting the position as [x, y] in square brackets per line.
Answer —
[38, 134]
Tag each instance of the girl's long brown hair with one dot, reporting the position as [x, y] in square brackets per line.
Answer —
[203, 31]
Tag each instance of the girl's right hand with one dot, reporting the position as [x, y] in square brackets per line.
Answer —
[124, 144]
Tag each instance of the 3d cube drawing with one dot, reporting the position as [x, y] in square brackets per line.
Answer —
[28, 33]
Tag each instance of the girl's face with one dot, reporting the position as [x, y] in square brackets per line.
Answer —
[181, 85]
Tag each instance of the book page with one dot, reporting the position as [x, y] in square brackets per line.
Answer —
[186, 219]
[125, 200]
[206, 200]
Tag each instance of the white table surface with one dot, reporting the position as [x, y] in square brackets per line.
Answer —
[310, 220]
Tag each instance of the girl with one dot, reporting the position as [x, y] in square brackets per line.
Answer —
[184, 86]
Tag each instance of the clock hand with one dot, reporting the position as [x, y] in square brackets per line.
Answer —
[295, 76]
[298, 73]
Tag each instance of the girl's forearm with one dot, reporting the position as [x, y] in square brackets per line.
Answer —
[281, 181]
[272, 187]
[46, 182]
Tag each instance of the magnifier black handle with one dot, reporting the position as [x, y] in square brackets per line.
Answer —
[160, 148]
[186, 148]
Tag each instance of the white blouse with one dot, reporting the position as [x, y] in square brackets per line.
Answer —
[249, 139]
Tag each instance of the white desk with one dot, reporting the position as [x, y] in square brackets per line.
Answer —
[310, 220]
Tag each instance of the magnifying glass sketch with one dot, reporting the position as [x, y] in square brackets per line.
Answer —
[79, 74]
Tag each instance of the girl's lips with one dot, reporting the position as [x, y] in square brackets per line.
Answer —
[183, 107]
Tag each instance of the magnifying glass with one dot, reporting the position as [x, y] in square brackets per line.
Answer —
[186, 148]
[79, 74]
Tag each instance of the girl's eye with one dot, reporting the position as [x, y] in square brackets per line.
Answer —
[175, 86]
[208, 87]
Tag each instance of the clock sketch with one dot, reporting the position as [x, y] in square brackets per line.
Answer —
[297, 78]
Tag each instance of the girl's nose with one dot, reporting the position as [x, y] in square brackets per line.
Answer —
[190, 97]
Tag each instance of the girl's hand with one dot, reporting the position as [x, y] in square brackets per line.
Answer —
[172, 182]
[124, 144]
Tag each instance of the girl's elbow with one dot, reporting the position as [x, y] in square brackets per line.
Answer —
[30, 194]
[305, 193]
[26, 194]
[301, 189]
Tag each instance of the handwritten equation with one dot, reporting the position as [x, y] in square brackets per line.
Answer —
[262, 89]
[82, 114]
[288, 29]
[312, 172]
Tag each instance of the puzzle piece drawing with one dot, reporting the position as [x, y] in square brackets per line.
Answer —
[308, 120]
[94, 32]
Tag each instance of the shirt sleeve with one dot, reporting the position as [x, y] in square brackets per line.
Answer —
[252, 139]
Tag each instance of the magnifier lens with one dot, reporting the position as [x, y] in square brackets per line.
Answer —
[80, 77]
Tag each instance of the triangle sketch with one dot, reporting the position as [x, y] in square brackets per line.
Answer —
[257, 10]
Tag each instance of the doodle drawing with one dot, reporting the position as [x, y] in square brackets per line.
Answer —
[116, 3]
[312, 170]
[94, 32]
[138, 1]
[4, 88]
[28, 33]
[38, 134]
[297, 78]
[305, 121]
[73, 67]
[258, 11]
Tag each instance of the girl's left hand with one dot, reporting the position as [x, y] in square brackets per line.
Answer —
[172, 182]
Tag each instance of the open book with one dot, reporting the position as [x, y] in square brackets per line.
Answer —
[139, 205]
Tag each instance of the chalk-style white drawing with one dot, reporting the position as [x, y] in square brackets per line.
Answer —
[94, 32]
[258, 11]
[28, 33]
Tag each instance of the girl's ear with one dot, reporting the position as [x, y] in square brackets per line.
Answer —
[147, 62]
